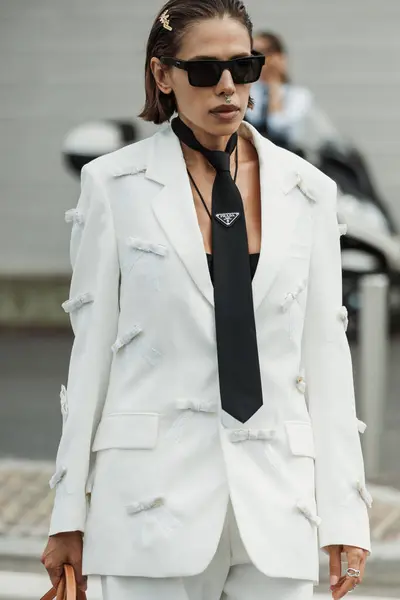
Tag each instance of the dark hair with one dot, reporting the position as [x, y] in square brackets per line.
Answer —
[274, 40]
[160, 107]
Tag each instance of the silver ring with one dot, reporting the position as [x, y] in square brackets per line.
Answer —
[228, 99]
[353, 572]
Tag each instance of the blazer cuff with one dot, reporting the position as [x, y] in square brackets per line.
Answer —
[69, 513]
[345, 527]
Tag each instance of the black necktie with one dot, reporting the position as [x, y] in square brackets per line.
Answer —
[238, 363]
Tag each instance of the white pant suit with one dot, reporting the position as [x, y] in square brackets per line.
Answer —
[148, 462]
[230, 575]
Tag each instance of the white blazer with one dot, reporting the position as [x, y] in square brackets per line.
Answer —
[147, 460]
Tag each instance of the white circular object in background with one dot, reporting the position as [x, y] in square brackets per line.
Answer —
[92, 139]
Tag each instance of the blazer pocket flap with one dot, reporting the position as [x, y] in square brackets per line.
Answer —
[301, 438]
[127, 431]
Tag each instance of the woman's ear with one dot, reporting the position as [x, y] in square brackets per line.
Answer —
[161, 76]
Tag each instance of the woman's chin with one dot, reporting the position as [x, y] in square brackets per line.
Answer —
[225, 123]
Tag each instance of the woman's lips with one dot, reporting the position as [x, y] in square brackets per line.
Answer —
[226, 113]
[225, 109]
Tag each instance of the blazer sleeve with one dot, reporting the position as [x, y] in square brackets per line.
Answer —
[93, 310]
[341, 494]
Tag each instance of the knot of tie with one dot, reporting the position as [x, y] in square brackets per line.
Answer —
[220, 160]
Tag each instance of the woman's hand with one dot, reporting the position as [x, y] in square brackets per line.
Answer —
[61, 549]
[356, 559]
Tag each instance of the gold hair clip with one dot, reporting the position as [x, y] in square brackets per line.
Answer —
[164, 19]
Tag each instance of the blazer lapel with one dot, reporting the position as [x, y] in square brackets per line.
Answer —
[175, 211]
[280, 211]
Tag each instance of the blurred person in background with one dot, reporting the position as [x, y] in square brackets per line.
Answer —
[210, 442]
[284, 112]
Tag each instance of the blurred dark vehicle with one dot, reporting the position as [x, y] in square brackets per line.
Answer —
[372, 242]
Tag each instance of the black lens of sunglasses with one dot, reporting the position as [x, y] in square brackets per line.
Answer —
[246, 70]
[207, 73]
[204, 73]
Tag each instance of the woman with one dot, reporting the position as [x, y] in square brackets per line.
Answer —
[285, 113]
[194, 413]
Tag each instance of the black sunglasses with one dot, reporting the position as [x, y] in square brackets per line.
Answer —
[207, 73]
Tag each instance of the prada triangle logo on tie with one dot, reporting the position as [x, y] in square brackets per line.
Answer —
[227, 219]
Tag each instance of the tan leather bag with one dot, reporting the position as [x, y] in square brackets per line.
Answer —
[67, 589]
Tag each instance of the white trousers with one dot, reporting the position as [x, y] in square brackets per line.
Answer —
[229, 576]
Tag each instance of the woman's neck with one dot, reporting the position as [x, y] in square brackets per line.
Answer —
[195, 159]
[212, 142]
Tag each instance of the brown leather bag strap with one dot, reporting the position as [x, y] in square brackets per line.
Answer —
[66, 589]
[61, 595]
[50, 595]
[70, 583]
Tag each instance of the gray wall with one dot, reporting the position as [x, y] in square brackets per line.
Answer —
[62, 63]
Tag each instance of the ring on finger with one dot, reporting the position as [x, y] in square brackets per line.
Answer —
[353, 572]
